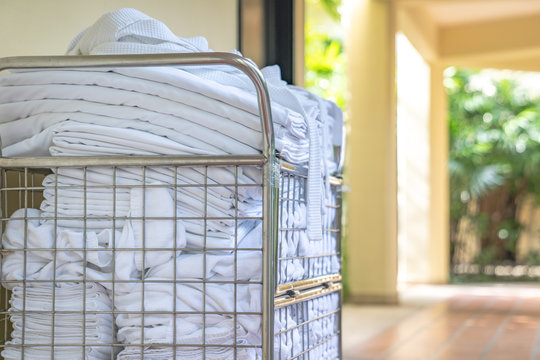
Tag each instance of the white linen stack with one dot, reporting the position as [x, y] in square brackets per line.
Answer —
[35, 304]
[98, 205]
[204, 101]
[217, 121]
[89, 197]
[192, 283]
[300, 257]
[84, 308]
[321, 332]
[102, 221]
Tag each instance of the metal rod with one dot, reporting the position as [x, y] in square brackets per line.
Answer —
[80, 161]
[307, 283]
[309, 294]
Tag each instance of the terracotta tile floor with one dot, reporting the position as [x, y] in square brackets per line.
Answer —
[447, 323]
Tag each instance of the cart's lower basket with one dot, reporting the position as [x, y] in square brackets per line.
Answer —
[143, 261]
[308, 325]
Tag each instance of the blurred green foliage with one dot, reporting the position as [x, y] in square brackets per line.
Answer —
[325, 66]
[324, 55]
[331, 6]
[494, 157]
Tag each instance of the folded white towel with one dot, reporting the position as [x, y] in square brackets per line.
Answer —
[159, 297]
[160, 329]
[69, 208]
[231, 129]
[83, 316]
[37, 138]
[210, 353]
[134, 176]
[150, 227]
[167, 83]
[218, 267]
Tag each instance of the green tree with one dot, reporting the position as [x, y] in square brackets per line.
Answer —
[494, 158]
[324, 54]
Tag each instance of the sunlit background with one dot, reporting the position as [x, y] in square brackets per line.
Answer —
[494, 129]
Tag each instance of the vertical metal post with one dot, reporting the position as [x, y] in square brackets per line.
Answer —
[270, 201]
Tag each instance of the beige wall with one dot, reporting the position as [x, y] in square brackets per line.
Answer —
[33, 27]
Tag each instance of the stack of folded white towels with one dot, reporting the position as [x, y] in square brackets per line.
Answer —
[156, 111]
[299, 257]
[64, 312]
[33, 323]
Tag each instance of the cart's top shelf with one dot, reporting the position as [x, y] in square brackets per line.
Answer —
[177, 59]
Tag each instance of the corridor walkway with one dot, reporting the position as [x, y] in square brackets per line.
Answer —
[495, 322]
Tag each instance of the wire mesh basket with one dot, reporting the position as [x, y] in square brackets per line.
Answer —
[299, 258]
[173, 257]
[308, 325]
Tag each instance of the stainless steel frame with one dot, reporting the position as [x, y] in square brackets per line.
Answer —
[270, 165]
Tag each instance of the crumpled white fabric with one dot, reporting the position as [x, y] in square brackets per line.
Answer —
[149, 226]
[38, 240]
[242, 264]
[159, 298]
[152, 230]
[160, 294]
[190, 297]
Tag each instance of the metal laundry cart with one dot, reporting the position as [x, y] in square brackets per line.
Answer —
[292, 302]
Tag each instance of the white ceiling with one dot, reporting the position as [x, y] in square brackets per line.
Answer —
[446, 13]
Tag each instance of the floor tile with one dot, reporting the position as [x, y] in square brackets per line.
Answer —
[467, 322]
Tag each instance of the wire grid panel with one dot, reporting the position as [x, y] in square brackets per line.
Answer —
[298, 257]
[132, 262]
[309, 329]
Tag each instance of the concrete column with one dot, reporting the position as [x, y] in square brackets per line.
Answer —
[422, 157]
[439, 254]
[413, 134]
[371, 168]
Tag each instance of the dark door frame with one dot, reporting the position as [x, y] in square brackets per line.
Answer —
[275, 43]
